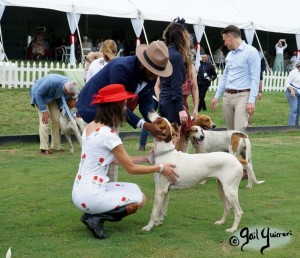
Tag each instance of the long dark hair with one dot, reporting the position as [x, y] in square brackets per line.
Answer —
[111, 114]
[177, 34]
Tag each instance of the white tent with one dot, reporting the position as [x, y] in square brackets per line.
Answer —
[265, 15]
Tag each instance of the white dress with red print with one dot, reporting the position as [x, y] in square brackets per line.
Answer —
[92, 193]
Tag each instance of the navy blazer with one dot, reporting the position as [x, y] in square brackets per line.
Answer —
[123, 70]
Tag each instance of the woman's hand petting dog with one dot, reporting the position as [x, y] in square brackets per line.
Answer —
[169, 172]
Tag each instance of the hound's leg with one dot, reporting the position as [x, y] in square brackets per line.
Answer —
[161, 190]
[232, 196]
[69, 140]
[225, 203]
[164, 210]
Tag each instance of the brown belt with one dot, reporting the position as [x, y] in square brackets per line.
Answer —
[236, 91]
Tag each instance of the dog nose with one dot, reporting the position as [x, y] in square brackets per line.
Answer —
[201, 137]
[214, 126]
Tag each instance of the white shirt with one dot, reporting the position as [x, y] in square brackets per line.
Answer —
[293, 61]
[94, 68]
[279, 50]
[293, 80]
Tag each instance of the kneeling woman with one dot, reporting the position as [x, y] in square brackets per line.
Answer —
[92, 193]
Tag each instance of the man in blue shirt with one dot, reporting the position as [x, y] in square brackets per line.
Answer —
[46, 93]
[240, 81]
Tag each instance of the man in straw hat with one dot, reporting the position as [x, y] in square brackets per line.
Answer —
[138, 74]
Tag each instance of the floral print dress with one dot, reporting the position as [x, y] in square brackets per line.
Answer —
[92, 193]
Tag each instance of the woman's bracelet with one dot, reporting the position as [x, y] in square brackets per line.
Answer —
[161, 168]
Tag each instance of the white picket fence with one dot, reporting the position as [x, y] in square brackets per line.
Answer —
[23, 75]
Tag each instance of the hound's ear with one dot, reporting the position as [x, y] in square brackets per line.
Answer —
[152, 116]
[175, 129]
[187, 133]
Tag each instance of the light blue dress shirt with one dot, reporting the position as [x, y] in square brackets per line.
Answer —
[242, 71]
[46, 89]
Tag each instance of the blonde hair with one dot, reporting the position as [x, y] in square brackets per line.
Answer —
[109, 49]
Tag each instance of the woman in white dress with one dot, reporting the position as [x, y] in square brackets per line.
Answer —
[279, 60]
[92, 192]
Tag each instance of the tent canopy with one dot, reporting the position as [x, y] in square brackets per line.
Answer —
[265, 15]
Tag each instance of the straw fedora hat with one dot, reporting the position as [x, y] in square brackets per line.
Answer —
[112, 93]
[155, 57]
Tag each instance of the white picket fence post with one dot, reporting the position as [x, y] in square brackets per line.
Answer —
[23, 75]
[271, 81]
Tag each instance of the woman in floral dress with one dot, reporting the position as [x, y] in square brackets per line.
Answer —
[92, 193]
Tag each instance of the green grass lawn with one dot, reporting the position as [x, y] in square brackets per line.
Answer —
[38, 218]
[18, 117]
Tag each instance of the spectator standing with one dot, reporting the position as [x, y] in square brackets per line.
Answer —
[87, 45]
[219, 57]
[108, 51]
[38, 47]
[60, 47]
[293, 95]
[293, 61]
[240, 81]
[47, 93]
[88, 59]
[171, 101]
[205, 76]
[279, 60]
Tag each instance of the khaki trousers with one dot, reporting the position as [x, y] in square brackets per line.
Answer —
[112, 172]
[53, 124]
[234, 111]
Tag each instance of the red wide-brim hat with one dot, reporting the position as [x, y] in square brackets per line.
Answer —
[112, 93]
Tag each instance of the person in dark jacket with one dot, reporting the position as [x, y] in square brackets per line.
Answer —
[206, 74]
[138, 74]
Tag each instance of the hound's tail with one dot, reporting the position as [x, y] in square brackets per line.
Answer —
[247, 164]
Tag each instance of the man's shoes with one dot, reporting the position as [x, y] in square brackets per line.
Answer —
[142, 148]
[46, 152]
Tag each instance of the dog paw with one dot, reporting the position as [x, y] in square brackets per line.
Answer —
[157, 223]
[249, 185]
[147, 228]
[219, 222]
[231, 230]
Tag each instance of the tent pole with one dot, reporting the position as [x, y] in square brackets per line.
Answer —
[1, 40]
[79, 37]
[266, 62]
[145, 35]
[212, 57]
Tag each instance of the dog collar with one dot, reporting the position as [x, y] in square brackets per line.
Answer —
[163, 153]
